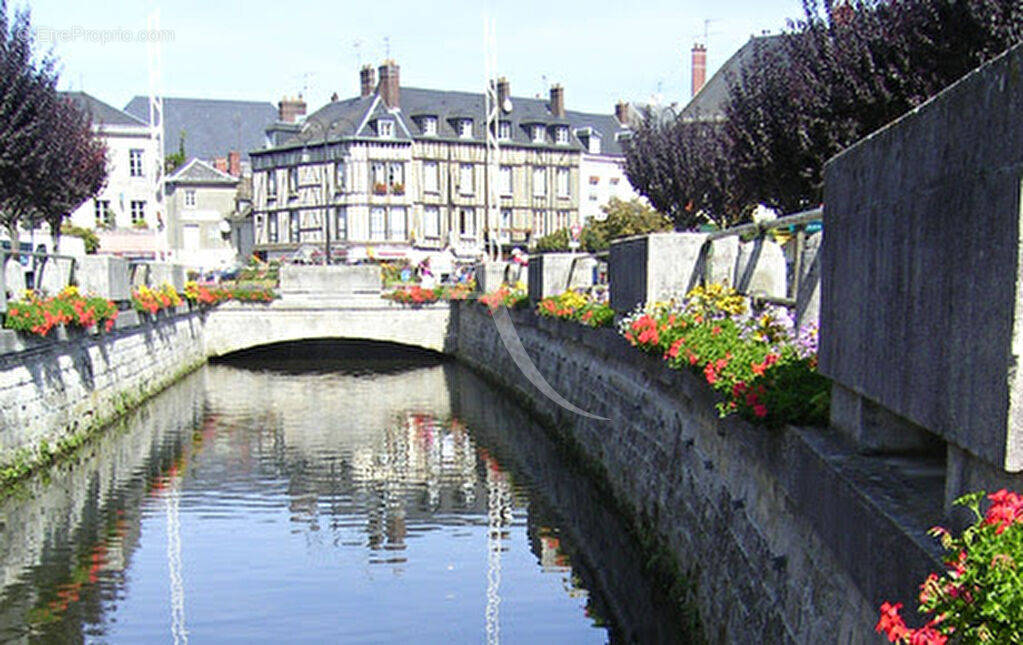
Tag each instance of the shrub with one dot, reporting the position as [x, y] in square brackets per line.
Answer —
[580, 307]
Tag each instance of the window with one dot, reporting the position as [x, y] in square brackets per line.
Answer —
[377, 224]
[561, 135]
[292, 182]
[431, 177]
[135, 162]
[550, 223]
[431, 221]
[467, 222]
[378, 177]
[271, 228]
[593, 197]
[385, 129]
[504, 180]
[539, 218]
[465, 179]
[594, 180]
[271, 184]
[593, 145]
[614, 181]
[190, 198]
[104, 216]
[538, 134]
[506, 220]
[539, 182]
[465, 128]
[190, 237]
[341, 223]
[138, 212]
[430, 126]
[396, 224]
[504, 130]
[562, 182]
[562, 219]
[339, 177]
[294, 233]
[396, 177]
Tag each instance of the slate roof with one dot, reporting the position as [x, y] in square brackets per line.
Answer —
[356, 117]
[103, 113]
[212, 127]
[709, 103]
[197, 171]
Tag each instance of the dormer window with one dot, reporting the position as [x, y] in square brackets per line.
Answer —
[385, 129]
[504, 130]
[561, 135]
[430, 126]
[593, 145]
[538, 134]
[465, 128]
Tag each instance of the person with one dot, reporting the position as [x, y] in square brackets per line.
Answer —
[426, 277]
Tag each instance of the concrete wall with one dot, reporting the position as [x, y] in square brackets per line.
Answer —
[781, 531]
[553, 273]
[921, 308]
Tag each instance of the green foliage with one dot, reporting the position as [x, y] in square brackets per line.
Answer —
[175, 160]
[624, 218]
[88, 236]
[509, 296]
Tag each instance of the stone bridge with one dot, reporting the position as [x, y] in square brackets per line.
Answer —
[233, 327]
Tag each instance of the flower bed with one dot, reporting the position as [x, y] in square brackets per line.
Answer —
[151, 300]
[210, 295]
[979, 598]
[417, 295]
[509, 296]
[579, 307]
[38, 315]
[766, 370]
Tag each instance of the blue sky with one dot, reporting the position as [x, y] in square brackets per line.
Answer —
[600, 52]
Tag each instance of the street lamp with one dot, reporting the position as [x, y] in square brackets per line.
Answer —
[306, 135]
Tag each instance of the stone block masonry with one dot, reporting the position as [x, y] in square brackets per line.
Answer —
[781, 532]
[52, 389]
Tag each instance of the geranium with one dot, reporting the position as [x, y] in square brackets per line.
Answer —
[37, 314]
[979, 597]
[509, 296]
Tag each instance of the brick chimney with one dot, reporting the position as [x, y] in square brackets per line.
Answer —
[557, 100]
[699, 67]
[234, 163]
[622, 112]
[503, 91]
[220, 163]
[367, 80]
[389, 87]
[289, 109]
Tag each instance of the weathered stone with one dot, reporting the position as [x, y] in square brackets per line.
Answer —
[299, 279]
[921, 297]
[490, 275]
[169, 273]
[653, 267]
[104, 275]
[760, 269]
[553, 273]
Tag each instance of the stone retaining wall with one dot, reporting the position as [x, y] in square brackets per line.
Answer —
[782, 532]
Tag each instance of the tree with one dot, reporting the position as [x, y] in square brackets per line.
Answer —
[683, 168]
[844, 71]
[623, 219]
[175, 160]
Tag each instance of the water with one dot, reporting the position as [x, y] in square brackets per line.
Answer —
[323, 500]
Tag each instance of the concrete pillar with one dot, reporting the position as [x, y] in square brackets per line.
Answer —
[760, 269]
[553, 273]
[647, 268]
[104, 275]
[875, 429]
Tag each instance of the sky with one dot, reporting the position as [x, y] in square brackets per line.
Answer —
[601, 52]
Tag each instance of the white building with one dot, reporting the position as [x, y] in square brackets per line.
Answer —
[200, 198]
[128, 214]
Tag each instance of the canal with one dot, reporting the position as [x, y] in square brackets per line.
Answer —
[324, 493]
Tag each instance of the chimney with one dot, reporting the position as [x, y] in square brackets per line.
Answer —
[557, 100]
[220, 163]
[288, 110]
[389, 88]
[699, 67]
[622, 112]
[367, 80]
[234, 163]
[503, 91]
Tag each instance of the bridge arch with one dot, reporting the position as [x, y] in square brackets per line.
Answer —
[234, 327]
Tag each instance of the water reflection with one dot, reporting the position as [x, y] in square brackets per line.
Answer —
[320, 501]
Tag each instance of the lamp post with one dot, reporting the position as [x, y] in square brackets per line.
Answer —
[306, 135]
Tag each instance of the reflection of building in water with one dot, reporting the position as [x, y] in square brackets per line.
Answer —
[545, 543]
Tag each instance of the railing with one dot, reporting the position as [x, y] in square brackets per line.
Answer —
[35, 276]
[702, 272]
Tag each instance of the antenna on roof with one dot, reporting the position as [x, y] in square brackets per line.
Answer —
[707, 33]
[357, 46]
[387, 48]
